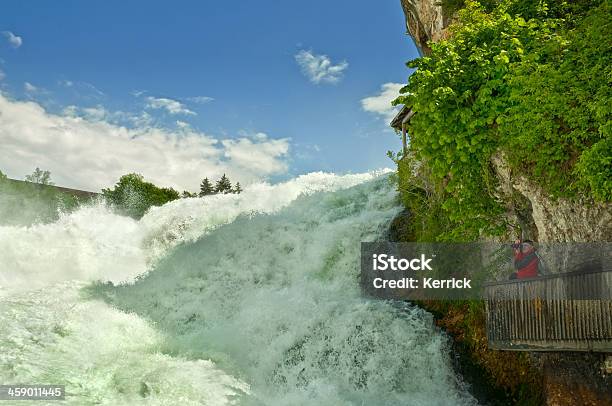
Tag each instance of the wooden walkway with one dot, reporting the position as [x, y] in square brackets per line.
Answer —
[559, 312]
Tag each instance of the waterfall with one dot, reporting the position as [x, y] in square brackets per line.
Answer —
[249, 299]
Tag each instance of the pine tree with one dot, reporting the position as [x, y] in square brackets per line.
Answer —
[187, 194]
[223, 185]
[206, 188]
[237, 188]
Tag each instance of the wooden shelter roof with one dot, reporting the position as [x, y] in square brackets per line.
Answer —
[404, 115]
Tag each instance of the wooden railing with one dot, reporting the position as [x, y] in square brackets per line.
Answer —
[559, 312]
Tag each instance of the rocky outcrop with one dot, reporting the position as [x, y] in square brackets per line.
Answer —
[575, 379]
[539, 216]
[567, 378]
[553, 220]
[425, 21]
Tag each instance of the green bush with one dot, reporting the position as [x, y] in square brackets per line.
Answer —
[524, 77]
[133, 196]
[595, 168]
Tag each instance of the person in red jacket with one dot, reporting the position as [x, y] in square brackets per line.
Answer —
[525, 260]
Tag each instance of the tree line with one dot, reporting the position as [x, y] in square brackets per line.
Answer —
[132, 195]
[221, 186]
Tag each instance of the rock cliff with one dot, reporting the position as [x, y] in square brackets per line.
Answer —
[425, 21]
[567, 378]
[541, 217]
[552, 220]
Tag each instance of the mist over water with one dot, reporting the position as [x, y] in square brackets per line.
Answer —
[248, 299]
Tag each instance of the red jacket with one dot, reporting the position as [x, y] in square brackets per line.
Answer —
[526, 265]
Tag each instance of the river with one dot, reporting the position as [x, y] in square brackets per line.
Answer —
[249, 299]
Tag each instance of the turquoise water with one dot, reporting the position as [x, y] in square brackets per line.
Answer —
[248, 299]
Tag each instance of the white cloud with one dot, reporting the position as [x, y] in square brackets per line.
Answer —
[381, 103]
[258, 153]
[118, 117]
[15, 40]
[200, 99]
[170, 105]
[319, 68]
[33, 92]
[90, 113]
[143, 119]
[91, 88]
[83, 90]
[30, 88]
[84, 150]
[182, 124]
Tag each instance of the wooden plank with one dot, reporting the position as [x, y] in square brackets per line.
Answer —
[556, 313]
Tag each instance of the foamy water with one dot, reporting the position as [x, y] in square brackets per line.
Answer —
[248, 299]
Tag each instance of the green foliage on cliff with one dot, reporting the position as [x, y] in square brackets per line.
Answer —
[531, 79]
[133, 196]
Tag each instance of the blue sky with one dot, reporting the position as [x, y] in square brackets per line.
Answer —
[234, 71]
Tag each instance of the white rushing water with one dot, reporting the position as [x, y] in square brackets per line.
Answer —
[248, 299]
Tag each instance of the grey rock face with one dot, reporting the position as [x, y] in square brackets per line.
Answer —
[425, 21]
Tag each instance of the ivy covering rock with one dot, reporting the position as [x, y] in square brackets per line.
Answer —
[531, 79]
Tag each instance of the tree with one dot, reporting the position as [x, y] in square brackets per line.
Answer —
[2, 176]
[223, 185]
[237, 188]
[206, 188]
[187, 194]
[133, 196]
[39, 176]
